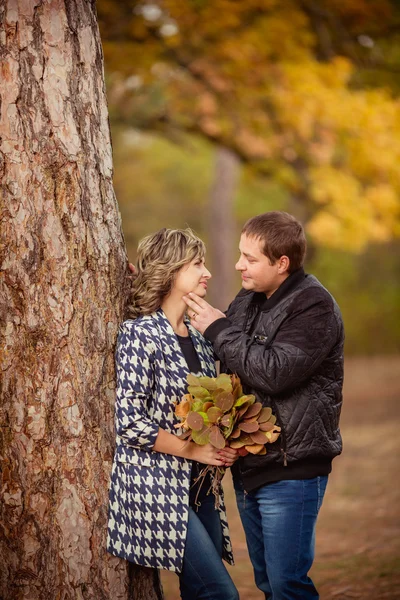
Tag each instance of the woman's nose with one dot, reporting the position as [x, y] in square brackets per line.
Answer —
[207, 273]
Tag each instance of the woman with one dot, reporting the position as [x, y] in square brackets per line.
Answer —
[158, 517]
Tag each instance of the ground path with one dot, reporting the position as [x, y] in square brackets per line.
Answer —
[358, 536]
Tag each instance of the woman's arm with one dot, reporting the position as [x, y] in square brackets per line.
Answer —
[135, 380]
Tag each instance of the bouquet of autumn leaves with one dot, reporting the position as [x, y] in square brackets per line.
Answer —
[216, 411]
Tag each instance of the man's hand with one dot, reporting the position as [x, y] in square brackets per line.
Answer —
[201, 313]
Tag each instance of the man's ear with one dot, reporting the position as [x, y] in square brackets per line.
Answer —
[283, 265]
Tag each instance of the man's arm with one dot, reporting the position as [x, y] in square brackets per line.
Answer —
[303, 341]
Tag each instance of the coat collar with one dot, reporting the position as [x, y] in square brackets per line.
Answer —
[174, 359]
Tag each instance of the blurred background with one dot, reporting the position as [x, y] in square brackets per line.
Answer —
[223, 109]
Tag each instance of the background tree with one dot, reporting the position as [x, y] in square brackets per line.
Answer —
[280, 85]
[63, 288]
[306, 96]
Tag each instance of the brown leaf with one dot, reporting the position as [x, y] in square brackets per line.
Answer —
[265, 414]
[253, 410]
[216, 438]
[224, 401]
[235, 433]
[201, 437]
[248, 427]
[259, 437]
[226, 420]
[182, 409]
[255, 448]
[267, 426]
[242, 441]
[214, 413]
[242, 451]
[272, 436]
[194, 421]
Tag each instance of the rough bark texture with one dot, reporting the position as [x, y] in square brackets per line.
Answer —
[63, 284]
[222, 236]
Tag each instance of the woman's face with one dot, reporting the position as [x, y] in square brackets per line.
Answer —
[192, 277]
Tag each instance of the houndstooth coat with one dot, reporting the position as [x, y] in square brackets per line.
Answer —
[149, 493]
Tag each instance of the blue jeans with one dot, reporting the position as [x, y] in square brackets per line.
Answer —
[279, 522]
[204, 576]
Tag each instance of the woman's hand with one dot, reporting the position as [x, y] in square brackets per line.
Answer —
[209, 455]
[228, 455]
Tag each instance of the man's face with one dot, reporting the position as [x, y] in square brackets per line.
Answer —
[258, 274]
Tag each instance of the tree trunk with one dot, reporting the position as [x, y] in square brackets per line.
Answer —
[63, 288]
[221, 226]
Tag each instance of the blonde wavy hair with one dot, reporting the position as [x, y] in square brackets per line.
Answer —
[159, 258]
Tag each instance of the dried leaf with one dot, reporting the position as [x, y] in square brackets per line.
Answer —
[242, 400]
[235, 433]
[216, 438]
[242, 441]
[265, 414]
[255, 448]
[182, 409]
[272, 436]
[208, 382]
[198, 392]
[226, 420]
[224, 401]
[192, 380]
[248, 427]
[197, 405]
[272, 419]
[259, 437]
[253, 410]
[194, 421]
[242, 451]
[207, 405]
[214, 413]
[266, 426]
[224, 382]
[201, 437]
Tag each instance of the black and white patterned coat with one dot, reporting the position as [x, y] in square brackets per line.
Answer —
[149, 494]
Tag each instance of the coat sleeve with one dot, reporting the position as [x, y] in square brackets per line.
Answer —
[304, 339]
[135, 378]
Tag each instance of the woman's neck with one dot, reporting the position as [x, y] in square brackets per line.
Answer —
[174, 309]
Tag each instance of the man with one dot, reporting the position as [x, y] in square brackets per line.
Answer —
[283, 335]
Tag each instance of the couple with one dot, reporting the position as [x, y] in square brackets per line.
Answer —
[283, 336]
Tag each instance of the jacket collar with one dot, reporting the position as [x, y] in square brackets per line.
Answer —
[174, 359]
[283, 290]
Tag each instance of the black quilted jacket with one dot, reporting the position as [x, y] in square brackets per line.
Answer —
[288, 351]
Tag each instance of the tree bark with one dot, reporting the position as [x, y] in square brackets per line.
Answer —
[221, 226]
[63, 289]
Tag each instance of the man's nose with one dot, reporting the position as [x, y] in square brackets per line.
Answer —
[239, 265]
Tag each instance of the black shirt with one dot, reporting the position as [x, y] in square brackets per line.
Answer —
[193, 362]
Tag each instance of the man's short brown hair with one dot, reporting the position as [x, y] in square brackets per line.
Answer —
[280, 235]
